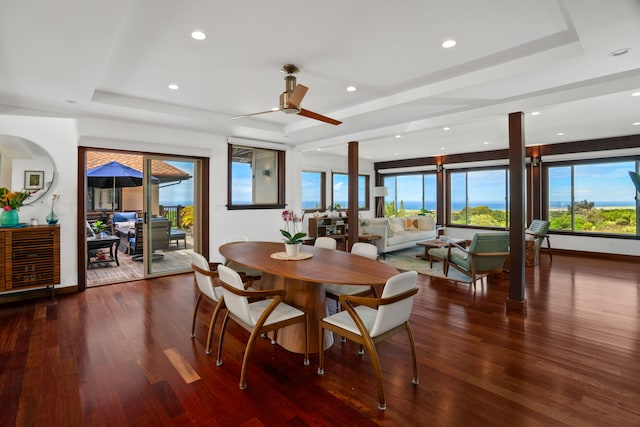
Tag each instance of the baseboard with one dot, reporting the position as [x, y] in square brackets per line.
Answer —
[9, 297]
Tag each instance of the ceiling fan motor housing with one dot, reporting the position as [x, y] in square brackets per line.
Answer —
[290, 85]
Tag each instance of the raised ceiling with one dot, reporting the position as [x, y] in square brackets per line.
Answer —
[114, 60]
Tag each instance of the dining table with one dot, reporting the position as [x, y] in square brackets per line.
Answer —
[303, 277]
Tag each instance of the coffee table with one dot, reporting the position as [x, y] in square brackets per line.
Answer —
[438, 243]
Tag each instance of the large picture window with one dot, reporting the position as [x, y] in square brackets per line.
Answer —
[410, 195]
[592, 197]
[313, 191]
[480, 198]
[256, 178]
[340, 191]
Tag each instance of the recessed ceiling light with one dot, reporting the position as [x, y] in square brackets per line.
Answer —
[635, 94]
[620, 52]
[535, 113]
[560, 133]
[275, 109]
[442, 148]
[636, 123]
[198, 35]
[446, 128]
[351, 89]
[319, 149]
[486, 143]
[396, 154]
[398, 136]
[448, 43]
[173, 86]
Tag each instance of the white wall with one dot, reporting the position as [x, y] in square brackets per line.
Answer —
[59, 137]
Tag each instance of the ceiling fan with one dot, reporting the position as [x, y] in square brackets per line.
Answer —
[291, 98]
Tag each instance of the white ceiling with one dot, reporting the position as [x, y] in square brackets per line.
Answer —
[114, 59]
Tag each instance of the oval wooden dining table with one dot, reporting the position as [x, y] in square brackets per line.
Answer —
[303, 279]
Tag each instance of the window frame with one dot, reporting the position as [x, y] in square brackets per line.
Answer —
[323, 190]
[367, 191]
[582, 162]
[279, 175]
[466, 171]
[394, 191]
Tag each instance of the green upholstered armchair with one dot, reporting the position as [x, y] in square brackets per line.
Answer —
[486, 254]
[538, 230]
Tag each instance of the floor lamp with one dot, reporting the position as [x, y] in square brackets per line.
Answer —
[380, 193]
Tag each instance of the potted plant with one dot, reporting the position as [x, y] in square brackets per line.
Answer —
[99, 227]
[292, 242]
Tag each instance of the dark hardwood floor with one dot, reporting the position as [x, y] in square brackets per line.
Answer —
[122, 355]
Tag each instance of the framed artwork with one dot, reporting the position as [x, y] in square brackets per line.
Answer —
[33, 180]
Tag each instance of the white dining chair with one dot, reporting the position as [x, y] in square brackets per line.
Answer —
[334, 291]
[251, 274]
[203, 274]
[258, 317]
[365, 325]
[326, 243]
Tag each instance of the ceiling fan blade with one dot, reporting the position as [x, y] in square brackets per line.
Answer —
[316, 116]
[296, 96]
[252, 114]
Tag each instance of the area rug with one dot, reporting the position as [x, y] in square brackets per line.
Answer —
[406, 260]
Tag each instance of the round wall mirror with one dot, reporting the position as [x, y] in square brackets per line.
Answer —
[24, 165]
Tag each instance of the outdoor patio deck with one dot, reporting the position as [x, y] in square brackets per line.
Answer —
[107, 273]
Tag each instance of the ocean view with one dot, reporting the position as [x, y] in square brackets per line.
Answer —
[413, 205]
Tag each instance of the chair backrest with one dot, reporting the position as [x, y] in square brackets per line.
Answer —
[160, 235]
[488, 242]
[326, 242]
[365, 249]
[204, 282]
[540, 228]
[235, 238]
[635, 178]
[236, 304]
[391, 315]
[124, 216]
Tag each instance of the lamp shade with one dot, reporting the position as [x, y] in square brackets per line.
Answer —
[380, 191]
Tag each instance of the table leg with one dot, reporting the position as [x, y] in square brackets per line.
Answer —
[308, 297]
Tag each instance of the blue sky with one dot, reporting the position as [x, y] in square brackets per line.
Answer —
[178, 193]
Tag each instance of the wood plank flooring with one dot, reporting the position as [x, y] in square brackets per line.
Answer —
[122, 355]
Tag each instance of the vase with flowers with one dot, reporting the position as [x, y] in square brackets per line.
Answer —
[52, 218]
[10, 202]
[292, 237]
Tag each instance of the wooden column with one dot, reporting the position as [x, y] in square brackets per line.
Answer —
[440, 191]
[516, 299]
[352, 210]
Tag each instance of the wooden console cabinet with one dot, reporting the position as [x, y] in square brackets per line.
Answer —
[335, 227]
[30, 257]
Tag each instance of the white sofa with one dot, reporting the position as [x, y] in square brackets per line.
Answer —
[401, 233]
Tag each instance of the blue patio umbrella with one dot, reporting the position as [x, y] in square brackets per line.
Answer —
[114, 175]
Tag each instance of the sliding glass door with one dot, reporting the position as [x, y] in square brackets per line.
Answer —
[170, 218]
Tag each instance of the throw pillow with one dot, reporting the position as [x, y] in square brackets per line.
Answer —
[426, 223]
[396, 228]
[409, 224]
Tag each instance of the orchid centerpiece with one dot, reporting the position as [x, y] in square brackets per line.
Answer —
[290, 220]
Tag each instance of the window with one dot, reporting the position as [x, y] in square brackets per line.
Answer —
[410, 194]
[340, 191]
[479, 197]
[256, 178]
[313, 191]
[592, 197]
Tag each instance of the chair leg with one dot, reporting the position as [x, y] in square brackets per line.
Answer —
[222, 330]
[306, 340]
[245, 360]
[321, 352]
[375, 361]
[219, 306]
[549, 248]
[413, 354]
[195, 314]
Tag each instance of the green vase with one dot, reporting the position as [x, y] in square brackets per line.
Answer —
[9, 218]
